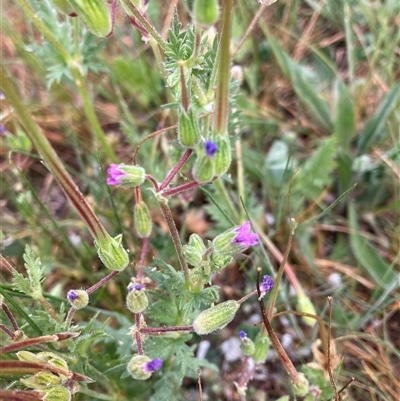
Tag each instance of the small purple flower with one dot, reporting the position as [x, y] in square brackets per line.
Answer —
[242, 334]
[114, 174]
[2, 97]
[72, 295]
[127, 175]
[266, 285]
[211, 148]
[235, 240]
[152, 365]
[244, 236]
[138, 287]
[3, 130]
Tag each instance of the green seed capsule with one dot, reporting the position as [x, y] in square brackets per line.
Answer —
[135, 367]
[206, 12]
[188, 129]
[95, 14]
[223, 157]
[261, 348]
[247, 346]
[215, 318]
[142, 220]
[136, 300]
[203, 169]
[78, 298]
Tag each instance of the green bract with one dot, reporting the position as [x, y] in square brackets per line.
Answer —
[95, 14]
[112, 253]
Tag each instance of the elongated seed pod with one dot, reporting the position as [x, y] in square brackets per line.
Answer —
[215, 318]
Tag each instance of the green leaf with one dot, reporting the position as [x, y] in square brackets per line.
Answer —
[344, 115]
[307, 92]
[314, 175]
[366, 255]
[31, 285]
[374, 127]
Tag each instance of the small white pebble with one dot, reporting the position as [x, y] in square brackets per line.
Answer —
[202, 349]
[287, 340]
[335, 279]
[231, 349]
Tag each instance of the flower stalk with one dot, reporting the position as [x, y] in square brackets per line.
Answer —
[110, 249]
[222, 96]
[166, 211]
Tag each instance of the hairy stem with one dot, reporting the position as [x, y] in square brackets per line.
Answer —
[166, 211]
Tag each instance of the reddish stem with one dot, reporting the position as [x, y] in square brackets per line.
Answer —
[10, 316]
[166, 329]
[176, 169]
[181, 188]
[94, 287]
[7, 331]
[143, 252]
[137, 334]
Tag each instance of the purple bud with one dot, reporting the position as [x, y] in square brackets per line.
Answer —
[138, 287]
[3, 130]
[211, 148]
[152, 365]
[267, 284]
[242, 334]
[72, 295]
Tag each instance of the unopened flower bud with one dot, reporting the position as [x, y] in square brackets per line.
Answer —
[283, 398]
[192, 255]
[301, 387]
[188, 129]
[95, 14]
[78, 298]
[205, 12]
[261, 348]
[218, 262]
[223, 158]
[235, 240]
[136, 300]
[142, 220]
[203, 169]
[63, 6]
[196, 241]
[247, 345]
[141, 367]
[127, 176]
[215, 318]
[57, 393]
[266, 285]
[304, 305]
[112, 253]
